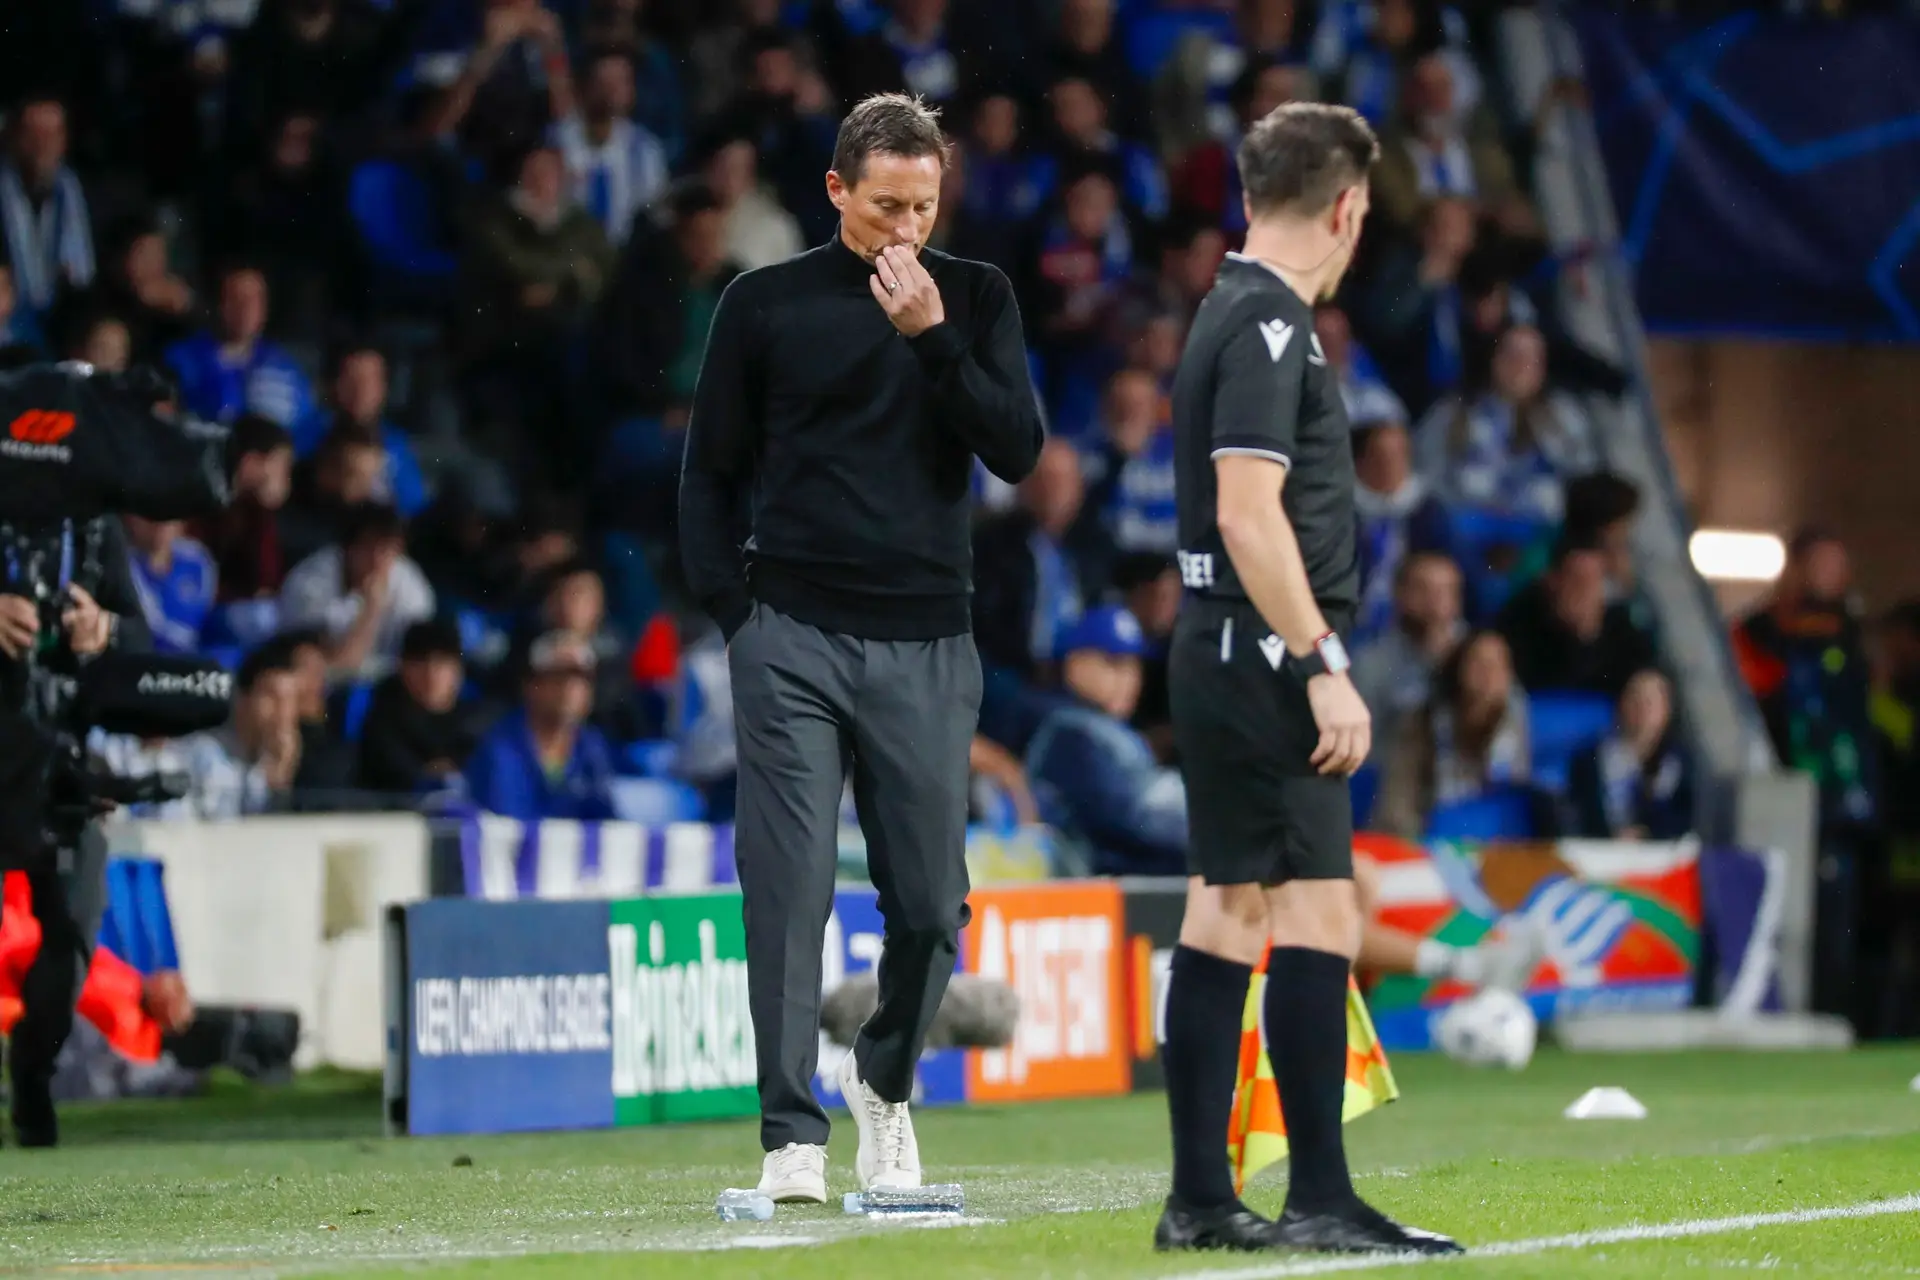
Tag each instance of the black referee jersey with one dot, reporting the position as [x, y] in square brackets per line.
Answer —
[1253, 380]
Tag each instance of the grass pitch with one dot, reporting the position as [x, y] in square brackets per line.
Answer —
[301, 1182]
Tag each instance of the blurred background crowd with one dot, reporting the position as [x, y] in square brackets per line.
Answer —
[447, 267]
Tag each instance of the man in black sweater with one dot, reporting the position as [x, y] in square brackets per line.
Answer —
[824, 513]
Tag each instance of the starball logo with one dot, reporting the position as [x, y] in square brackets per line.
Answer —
[36, 435]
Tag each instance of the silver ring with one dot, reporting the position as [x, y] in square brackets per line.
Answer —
[894, 287]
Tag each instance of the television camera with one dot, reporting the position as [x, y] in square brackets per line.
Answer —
[76, 444]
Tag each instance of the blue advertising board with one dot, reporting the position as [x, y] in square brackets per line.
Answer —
[853, 946]
[509, 1019]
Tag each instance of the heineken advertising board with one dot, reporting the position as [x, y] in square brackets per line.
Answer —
[682, 1039]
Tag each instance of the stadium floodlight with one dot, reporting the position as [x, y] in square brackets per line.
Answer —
[1728, 555]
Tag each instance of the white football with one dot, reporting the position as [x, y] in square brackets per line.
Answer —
[1488, 1029]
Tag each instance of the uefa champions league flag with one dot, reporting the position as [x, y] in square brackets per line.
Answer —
[1257, 1135]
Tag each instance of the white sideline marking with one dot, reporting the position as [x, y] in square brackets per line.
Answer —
[1578, 1240]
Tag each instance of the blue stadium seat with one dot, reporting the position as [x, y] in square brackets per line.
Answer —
[227, 655]
[394, 210]
[1475, 536]
[1561, 725]
[1500, 813]
[657, 801]
[649, 758]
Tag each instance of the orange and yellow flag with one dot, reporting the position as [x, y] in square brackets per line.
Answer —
[1258, 1135]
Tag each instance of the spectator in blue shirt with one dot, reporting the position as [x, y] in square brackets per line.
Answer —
[1414, 309]
[1005, 185]
[359, 394]
[617, 167]
[1080, 119]
[1635, 783]
[1095, 775]
[1399, 516]
[177, 581]
[1131, 480]
[232, 369]
[544, 760]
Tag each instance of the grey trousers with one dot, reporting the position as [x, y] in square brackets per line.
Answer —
[808, 706]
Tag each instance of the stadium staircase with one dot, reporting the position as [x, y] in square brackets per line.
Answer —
[1752, 802]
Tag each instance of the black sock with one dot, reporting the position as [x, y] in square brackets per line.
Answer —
[1206, 999]
[1306, 1012]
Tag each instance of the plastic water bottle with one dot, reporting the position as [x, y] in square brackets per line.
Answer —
[945, 1199]
[735, 1205]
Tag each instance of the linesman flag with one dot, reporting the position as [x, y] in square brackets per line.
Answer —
[1258, 1135]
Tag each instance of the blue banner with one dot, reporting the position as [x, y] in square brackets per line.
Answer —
[510, 1020]
[1765, 169]
[503, 859]
[853, 946]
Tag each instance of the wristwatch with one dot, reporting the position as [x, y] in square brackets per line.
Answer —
[1327, 657]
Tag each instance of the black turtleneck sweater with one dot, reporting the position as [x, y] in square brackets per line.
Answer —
[829, 459]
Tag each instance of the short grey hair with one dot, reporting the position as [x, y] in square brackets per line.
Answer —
[892, 124]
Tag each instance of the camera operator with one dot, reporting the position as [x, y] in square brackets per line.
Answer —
[77, 447]
[67, 596]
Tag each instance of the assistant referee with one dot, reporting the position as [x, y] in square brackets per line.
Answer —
[825, 504]
[1268, 724]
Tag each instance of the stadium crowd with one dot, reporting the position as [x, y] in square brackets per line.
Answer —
[447, 267]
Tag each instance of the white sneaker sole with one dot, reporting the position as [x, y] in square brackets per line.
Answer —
[863, 1160]
[797, 1192]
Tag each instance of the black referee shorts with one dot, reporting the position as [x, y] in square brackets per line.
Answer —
[1257, 812]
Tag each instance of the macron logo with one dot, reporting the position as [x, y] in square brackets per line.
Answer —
[1278, 334]
[1273, 648]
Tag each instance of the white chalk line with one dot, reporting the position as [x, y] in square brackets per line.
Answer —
[1578, 1240]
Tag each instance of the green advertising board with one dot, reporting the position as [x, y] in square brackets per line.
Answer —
[682, 1037]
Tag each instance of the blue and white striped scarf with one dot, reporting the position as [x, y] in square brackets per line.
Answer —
[615, 179]
[43, 243]
[1485, 469]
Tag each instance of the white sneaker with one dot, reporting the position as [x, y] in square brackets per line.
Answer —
[795, 1174]
[889, 1156]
